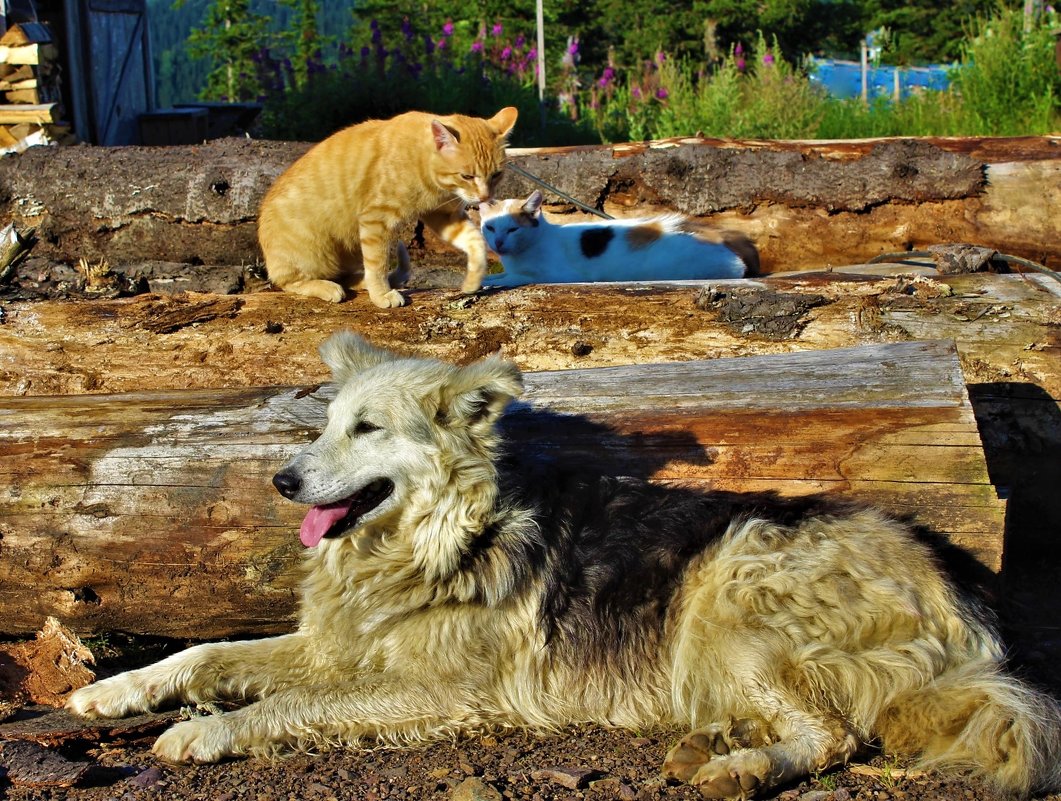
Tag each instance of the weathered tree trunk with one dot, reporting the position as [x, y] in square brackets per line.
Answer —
[152, 512]
[805, 204]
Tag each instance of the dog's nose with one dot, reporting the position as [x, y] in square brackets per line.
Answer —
[287, 483]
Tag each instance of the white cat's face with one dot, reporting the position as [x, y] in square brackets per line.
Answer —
[509, 226]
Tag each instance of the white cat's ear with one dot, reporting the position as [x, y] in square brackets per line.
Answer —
[446, 139]
[533, 204]
[503, 122]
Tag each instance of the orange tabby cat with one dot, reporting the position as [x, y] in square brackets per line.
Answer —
[329, 221]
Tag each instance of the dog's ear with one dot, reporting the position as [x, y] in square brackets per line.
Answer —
[347, 354]
[477, 394]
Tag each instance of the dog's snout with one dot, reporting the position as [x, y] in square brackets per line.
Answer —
[287, 483]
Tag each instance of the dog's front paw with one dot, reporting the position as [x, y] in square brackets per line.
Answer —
[206, 739]
[116, 697]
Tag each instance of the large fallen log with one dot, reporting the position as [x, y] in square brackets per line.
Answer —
[151, 512]
[805, 204]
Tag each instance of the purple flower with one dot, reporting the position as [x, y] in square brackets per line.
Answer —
[636, 93]
[477, 46]
[532, 54]
[497, 30]
[429, 44]
[441, 44]
[738, 49]
[377, 34]
[506, 54]
[407, 29]
[740, 64]
[661, 57]
[447, 29]
[768, 59]
[364, 52]
[662, 93]
[606, 77]
[573, 47]
[520, 40]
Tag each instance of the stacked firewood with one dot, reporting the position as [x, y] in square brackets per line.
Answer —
[31, 111]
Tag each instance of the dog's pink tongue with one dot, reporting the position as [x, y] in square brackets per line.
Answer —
[320, 519]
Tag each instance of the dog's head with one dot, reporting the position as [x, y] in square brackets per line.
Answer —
[403, 436]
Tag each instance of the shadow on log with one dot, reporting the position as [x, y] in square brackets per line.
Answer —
[152, 512]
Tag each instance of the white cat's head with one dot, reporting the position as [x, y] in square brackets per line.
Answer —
[509, 226]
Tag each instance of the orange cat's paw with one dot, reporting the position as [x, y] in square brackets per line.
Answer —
[389, 300]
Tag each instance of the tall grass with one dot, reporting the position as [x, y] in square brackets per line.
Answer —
[1006, 83]
[446, 72]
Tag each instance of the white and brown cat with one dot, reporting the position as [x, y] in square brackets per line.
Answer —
[670, 247]
[329, 222]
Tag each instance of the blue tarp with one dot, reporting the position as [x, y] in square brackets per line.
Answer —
[844, 78]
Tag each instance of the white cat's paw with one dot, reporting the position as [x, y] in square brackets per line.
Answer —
[116, 697]
[206, 739]
[390, 300]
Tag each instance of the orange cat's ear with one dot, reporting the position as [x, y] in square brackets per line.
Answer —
[446, 139]
[502, 122]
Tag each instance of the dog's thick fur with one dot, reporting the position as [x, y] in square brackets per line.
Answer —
[492, 590]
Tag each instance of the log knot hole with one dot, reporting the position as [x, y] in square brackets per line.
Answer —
[85, 595]
[220, 186]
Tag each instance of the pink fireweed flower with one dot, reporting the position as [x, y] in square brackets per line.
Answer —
[506, 53]
[636, 93]
[532, 54]
[662, 93]
[738, 49]
[740, 64]
[573, 47]
[477, 46]
[661, 57]
[497, 30]
[768, 59]
[447, 29]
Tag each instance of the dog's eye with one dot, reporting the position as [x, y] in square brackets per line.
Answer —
[467, 177]
[365, 427]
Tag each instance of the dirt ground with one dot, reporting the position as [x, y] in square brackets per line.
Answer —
[105, 763]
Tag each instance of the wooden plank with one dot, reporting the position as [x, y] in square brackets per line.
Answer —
[32, 54]
[152, 512]
[38, 113]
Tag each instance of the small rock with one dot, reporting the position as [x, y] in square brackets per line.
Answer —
[148, 778]
[571, 778]
[817, 795]
[229, 796]
[843, 794]
[274, 328]
[439, 773]
[475, 790]
[640, 742]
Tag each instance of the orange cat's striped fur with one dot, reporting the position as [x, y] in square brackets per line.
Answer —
[328, 223]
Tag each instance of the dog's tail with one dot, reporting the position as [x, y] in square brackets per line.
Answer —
[974, 719]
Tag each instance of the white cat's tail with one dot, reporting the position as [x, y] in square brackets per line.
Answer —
[400, 275]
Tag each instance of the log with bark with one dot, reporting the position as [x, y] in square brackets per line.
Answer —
[152, 512]
[805, 204]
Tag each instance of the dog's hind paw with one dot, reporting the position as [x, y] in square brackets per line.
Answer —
[202, 740]
[115, 697]
[738, 775]
[699, 747]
